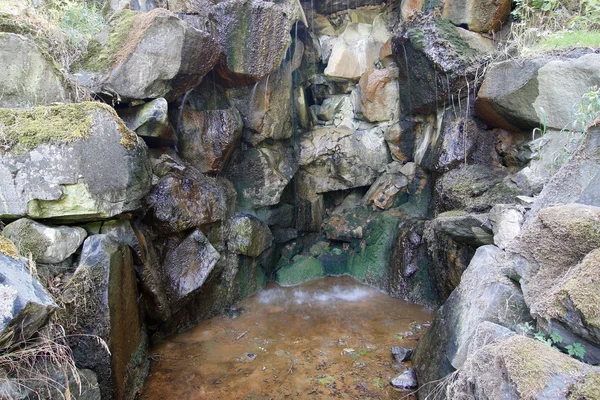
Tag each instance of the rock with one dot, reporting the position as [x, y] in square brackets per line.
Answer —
[280, 216]
[151, 122]
[244, 31]
[143, 55]
[474, 188]
[184, 202]
[261, 174]
[30, 76]
[332, 6]
[281, 236]
[101, 303]
[428, 77]
[339, 158]
[334, 262]
[266, 106]
[48, 245]
[380, 95]
[406, 380]
[577, 181]
[24, 304]
[301, 269]
[148, 267]
[541, 90]
[477, 16]
[247, 235]
[386, 190]
[357, 49]
[187, 266]
[401, 354]
[506, 223]
[400, 138]
[348, 225]
[71, 162]
[472, 229]
[209, 129]
[409, 8]
[310, 210]
[518, 367]
[485, 293]
[477, 41]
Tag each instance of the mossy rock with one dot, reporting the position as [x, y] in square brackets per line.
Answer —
[302, 269]
[334, 262]
[8, 248]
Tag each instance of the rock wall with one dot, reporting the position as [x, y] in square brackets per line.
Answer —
[246, 141]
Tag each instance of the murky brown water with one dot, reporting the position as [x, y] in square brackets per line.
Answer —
[329, 338]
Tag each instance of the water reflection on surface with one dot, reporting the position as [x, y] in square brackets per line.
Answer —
[328, 338]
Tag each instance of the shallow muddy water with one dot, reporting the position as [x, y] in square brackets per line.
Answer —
[328, 338]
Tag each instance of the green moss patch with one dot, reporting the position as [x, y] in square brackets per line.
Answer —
[8, 248]
[301, 270]
[24, 130]
[100, 56]
[26, 238]
[589, 389]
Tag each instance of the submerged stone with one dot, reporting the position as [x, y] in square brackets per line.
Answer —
[406, 380]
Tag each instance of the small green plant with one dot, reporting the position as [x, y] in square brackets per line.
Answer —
[378, 383]
[587, 109]
[575, 350]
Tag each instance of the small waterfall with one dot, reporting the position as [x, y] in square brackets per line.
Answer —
[266, 92]
[180, 116]
[407, 76]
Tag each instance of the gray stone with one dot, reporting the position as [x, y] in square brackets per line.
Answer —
[100, 169]
[485, 293]
[30, 76]
[473, 229]
[260, 174]
[143, 55]
[401, 354]
[384, 192]
[101, 309]
[406, 380]
[340, 158]
[281, 216]
[45, 244]
[521, 95]
[24, 303]
[247, 235]
[151, 122]
[506, 223]
[187, 267]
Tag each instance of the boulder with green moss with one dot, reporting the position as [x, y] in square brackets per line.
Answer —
[301, 269]
[45, 244]
[434, 63]
[70, 162]
[522, 368]
[248, 235]
[147, 55]
[30, 76]
[24, 303]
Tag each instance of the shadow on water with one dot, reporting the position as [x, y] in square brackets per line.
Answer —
[328, 338]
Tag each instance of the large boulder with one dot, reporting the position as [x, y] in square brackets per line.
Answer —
[301, 269]
[266, 106]
[24, 303]
[485, 293]
[70, 162]
[357, 49]
[340, 158]
[578, 180]
[102, 317]
[183, 202]
[186, 266]
[428, 77]
[524, 94]
[248, 235]
[151, 122]
[147, 55]
[260, 174]
[477, 16]
[518, 367]
[30, 76]
[254, 35]
[209, 128]
[44, 244]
